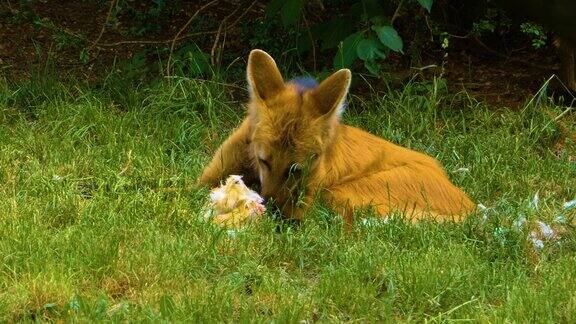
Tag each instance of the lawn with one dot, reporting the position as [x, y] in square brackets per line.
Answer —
[99, 218]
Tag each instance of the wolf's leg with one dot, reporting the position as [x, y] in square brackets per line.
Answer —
[231, 158]
[415, 193]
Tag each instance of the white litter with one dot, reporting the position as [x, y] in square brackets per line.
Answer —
[520, 222]
[546, 230]
[570, 204]
[485, 212]
[535, 201]
[538, 243]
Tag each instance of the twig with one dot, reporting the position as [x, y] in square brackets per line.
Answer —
[160, 41]
[65, 31]
[429, 28]
[396, 13]
[311, 40]
[486, 47]
[178, 37]
[460, 37]
[94, 43]
[168, 64]
[221, 49]
[218, 33]
[243, 14]
[165, 41]
[507, 57]
[215, 44]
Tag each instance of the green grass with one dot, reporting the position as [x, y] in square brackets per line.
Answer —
[99, 220]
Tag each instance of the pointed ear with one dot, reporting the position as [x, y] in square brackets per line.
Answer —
[330, 95]
[264, 78]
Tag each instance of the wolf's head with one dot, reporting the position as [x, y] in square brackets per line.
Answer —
[293, 126]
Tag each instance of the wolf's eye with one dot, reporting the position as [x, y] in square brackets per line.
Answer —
[295, 170]
[265, 163]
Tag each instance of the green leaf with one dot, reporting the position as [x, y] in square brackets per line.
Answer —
[370, 49]
[273, 7]
[347, 52]
[366, 9]
[427, 4]
[379, 20]
[291, 12]
[332, 32]
[372, 67]
[389, 37]
[303, 43]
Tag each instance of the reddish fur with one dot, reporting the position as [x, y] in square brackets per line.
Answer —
[348, 167]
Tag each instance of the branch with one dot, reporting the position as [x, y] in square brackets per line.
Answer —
[94, 43]
[218, 33]
[168, 64]
[243, 14]
[311, 40]
[160, 41]
[396, 13]
[217, 38]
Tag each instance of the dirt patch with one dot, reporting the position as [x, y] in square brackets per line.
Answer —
[501, 80]
[26, 42]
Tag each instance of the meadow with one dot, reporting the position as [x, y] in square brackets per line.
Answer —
[100, 221]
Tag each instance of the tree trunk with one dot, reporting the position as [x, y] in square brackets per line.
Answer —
[567, 53]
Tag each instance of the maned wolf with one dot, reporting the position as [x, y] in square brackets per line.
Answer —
[292, 141]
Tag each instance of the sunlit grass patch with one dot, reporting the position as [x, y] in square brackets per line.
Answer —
[99, 218]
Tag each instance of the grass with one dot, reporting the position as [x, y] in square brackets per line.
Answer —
[99, 221]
